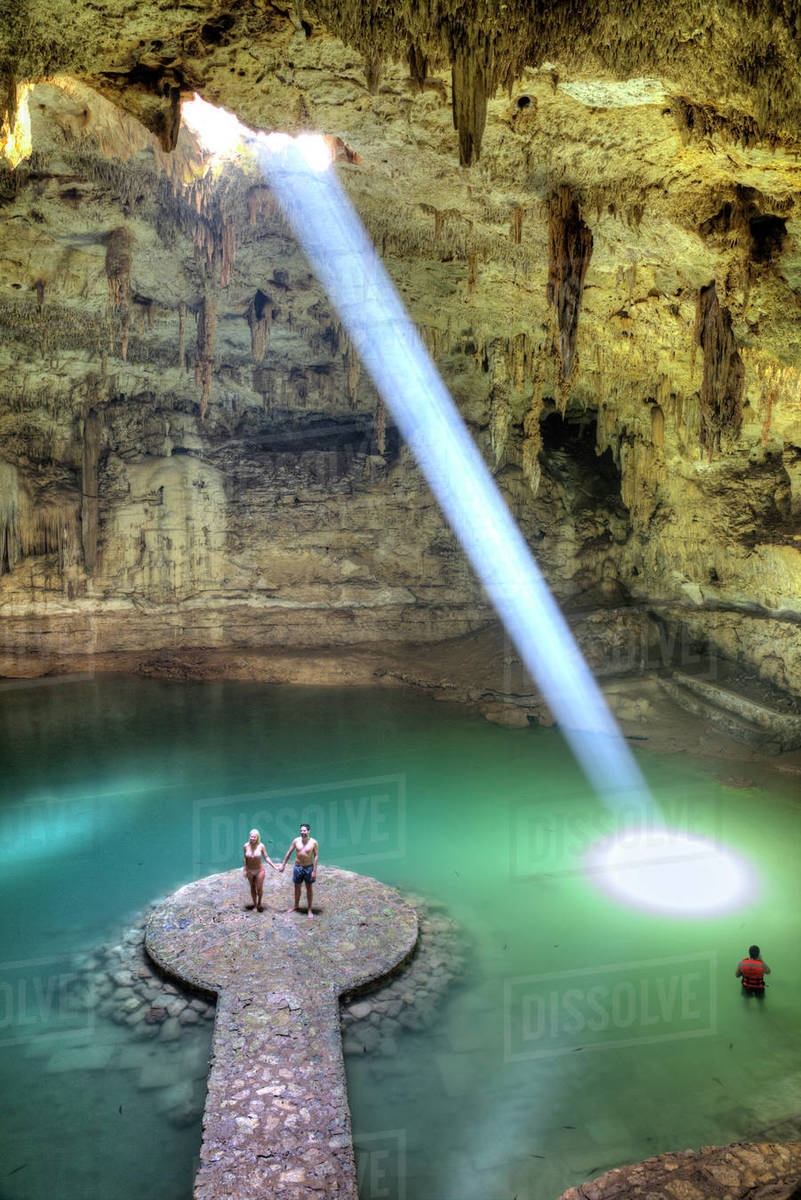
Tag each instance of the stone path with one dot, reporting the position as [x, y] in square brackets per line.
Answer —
[277, 1121]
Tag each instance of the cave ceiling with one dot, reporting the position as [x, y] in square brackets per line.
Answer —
[587, 208]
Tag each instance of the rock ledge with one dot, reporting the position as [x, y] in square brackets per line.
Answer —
[760, 1171]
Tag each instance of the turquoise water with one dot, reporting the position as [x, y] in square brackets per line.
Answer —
[582, 1033]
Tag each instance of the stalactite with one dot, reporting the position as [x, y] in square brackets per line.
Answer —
[418, 67]
[657, 427]
[663, 391]
[516, 227]
[31, 526]
[518, 355]
[50, 527]
[569, 252]
[373, 64]
[722, 385]
[304, 117]
[601, 440]
[204, 355]
[260, 204]
[263, 384]
[92, 432]
[9, 517]
[380, 426]
[259, 318]
[126, 316]
[679, 409]
[227, 250]
[471, 87]
[694, 343]
[769, 397]
[704, 122]
[641, 473]
[606, 434]
[164, 119]
[776, 384]
[213, 227]
[298, 387]
[500, 425]
[354, 367]
[434, 339]
[119, 259]
[205, 244]
[182, 335]
[471, 273]
[532, 443]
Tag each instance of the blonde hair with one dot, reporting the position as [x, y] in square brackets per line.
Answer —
[258, 835]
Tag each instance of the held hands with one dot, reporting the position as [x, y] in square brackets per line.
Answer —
[282, 866]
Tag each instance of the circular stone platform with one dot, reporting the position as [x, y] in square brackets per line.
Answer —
[277, 1121]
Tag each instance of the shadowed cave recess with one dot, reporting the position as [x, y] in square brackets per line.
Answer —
[592, 218]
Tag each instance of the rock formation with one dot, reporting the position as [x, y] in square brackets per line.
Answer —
[591, 221]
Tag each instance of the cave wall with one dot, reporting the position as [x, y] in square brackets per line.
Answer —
[142, 509]
[191, 453]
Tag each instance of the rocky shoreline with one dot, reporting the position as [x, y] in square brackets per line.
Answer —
[741, 1171]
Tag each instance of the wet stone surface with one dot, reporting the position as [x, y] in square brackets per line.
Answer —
[277, 1121]
[756, 1171]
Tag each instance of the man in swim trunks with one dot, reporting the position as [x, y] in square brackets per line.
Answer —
[305, 869]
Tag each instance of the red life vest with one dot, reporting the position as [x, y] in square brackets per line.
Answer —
[753, 973]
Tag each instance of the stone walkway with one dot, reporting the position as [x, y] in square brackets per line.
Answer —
[277, 1121]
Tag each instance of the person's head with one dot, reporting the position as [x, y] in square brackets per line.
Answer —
[305, 830]
[753, 951]
[254, 837]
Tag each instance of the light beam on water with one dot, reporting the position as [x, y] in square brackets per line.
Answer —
[336, 244]
[671, 873]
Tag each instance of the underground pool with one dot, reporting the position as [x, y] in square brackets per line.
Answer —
[580, 1030]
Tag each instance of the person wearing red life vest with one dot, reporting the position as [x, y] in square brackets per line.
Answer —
[752, 971]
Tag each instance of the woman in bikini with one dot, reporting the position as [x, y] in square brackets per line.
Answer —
[254, 868]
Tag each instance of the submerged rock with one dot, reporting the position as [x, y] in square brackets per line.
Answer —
[170, 1030]
[362, 1008]
[409, 1002]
